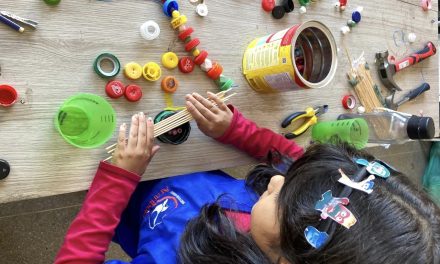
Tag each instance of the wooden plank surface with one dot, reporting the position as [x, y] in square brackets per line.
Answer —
[55, 62]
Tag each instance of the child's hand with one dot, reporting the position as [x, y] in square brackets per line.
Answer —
[135, 154]
[211, 120]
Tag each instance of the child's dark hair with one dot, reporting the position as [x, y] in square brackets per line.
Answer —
[397, 222]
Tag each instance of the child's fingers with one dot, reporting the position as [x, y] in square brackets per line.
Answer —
[220, 104]
[200, 119]
[142, 132]
[201, 108]
[150, 133]
[134, 129]
[121, 137]
[206, 103]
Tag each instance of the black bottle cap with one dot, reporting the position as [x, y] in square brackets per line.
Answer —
[4, 169]
[278, 12]
[288, 5]
[420, 127]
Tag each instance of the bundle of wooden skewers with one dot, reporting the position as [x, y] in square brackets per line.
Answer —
[366, 90]
[172, 122]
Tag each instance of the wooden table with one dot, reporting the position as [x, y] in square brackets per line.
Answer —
[55, 62]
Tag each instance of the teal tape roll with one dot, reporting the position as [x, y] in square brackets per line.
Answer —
[113, 60]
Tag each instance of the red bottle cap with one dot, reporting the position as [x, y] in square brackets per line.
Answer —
[200, 59]
[215, 72]
[8, 95]
[268, 5]
[133, 93]
[115, 89]
[186, 65]
[186, 33]
[192, 44]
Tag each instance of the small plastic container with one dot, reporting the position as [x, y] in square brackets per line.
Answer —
[86, 121]
[8, 95]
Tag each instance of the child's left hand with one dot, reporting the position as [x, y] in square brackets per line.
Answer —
[135, 154]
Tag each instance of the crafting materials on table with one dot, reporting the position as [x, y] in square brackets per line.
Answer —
[150, 30]
[86, 120]
[411, 95]
[304, 55]
[133, 93]
[391, 127]
[309, 118]
[115, 89]
[178, 22]
[387, 69]
[12, 21]
[8, 95]
[341, 5]
[5, 169]
[352, 131]
[356, 18]
[170, 60]
[172, 122]
[268, 5]
[152, 71]
[133, 71]
[52, 2]
[186, 65]
[349, 102]
[360, 79]
[175, 136]
[170, 84]
[107, 57]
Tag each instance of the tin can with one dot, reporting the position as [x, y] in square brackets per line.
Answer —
[303, 56]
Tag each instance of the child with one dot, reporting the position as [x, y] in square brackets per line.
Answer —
[212, 218]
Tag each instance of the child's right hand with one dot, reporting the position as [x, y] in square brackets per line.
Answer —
[135, 154]
[212, 120]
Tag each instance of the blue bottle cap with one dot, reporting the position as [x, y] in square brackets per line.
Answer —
[356, 16]
[169, 6]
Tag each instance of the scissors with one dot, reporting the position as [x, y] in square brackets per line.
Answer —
[310, 117]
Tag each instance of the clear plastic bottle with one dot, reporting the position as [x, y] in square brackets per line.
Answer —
[395, 127]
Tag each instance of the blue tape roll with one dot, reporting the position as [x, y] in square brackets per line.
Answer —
[169, 6]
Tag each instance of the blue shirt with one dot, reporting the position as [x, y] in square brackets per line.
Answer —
[153, 222]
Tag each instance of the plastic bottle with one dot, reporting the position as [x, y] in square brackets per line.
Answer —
[395, 127]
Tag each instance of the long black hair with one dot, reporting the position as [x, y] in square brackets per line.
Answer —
[397, 223]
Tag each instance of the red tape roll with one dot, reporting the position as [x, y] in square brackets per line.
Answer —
[349, 102]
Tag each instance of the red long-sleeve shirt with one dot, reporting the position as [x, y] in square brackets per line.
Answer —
[90, 234]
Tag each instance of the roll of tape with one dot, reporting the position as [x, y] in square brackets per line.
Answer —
[349, 102]
[176, 136]
[116, 65]
[150, 30]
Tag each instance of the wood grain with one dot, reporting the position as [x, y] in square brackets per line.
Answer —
[55, 62]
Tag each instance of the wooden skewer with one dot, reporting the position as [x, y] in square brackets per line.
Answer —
[162, 127]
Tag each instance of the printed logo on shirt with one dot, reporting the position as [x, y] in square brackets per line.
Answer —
[161, 205]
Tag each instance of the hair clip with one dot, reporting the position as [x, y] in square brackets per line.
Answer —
[315, 237]
[334, 208]
[375, 168]
[364, 186]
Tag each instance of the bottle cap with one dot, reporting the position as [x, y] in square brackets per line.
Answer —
[278, 12]
[4, 169]
[420, 127]
[288, 5]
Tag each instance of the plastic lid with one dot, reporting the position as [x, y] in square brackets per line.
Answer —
[420, 127]
[4, 169]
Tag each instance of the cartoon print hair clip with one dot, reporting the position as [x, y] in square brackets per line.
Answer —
[375, 168]
[364, 186]
[315, 237]
[334, 208]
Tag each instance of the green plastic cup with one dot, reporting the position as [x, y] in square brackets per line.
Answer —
[86, 120]
[352, 131]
